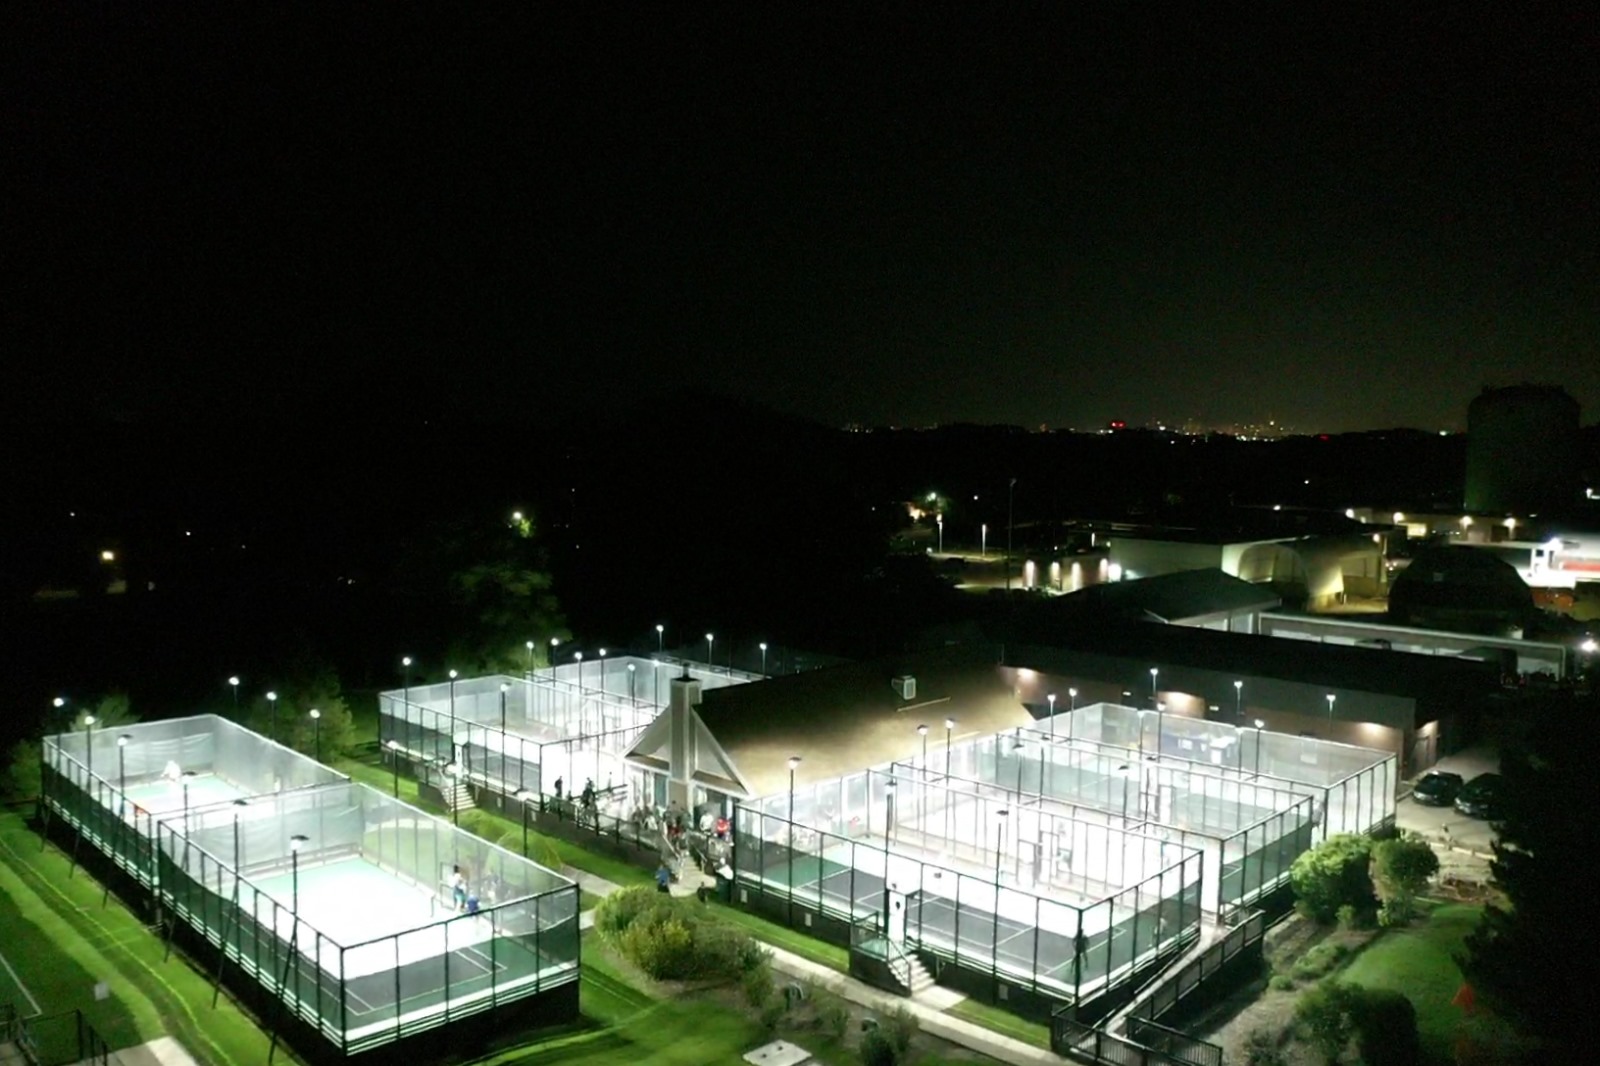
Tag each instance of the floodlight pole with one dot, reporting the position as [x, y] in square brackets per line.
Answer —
[503, 688]
[1011, 496]
[88, 743]
[1259, 724]
[272, 701]
[1238, 701]
[661, 639]
[233, 683]
[294, 937]
[1331, 698]
[999, 841]
[222, 955]
[394, 762]
[763, 658]
[316, 732]
[794, 763]
[632, 696]
[602, 674]
[529, 646]
[452, 716]
[1072, 708]
[949, 727]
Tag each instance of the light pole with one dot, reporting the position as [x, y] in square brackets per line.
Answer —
[296, 842]
[922, 783]
[524, 796]
[602, 673]
[763, 658]
[632, 698]
[710, 640]
[453, 772]
[233, 683]
[122, 762]
[661, 639]
[504, 688]
[794, 764]
[1238, 700]
[88, 742]
[983, 541]
[1331, 698]
[578, 655]
[316, 731]
[1016, 753]
[394, 760]
[1126, 774]
[272, 701]
[949, 727]
[452, 675]
[1011, 495]
[1072, 707]
[999, 840]
[1161, 716]
[186, 777]
[529, 646]
[1154, 673]
[1259, 725]
[555, 642]
[1052, 698]
[939, 521]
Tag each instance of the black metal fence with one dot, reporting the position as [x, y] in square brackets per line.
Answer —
[1170, 990]
[1173, 1042]
[55, 1039]
[1081, 1041]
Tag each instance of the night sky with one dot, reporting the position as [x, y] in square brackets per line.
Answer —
[908, 217]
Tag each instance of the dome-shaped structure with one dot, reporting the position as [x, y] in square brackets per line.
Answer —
[1461, 589]
[1522, 447]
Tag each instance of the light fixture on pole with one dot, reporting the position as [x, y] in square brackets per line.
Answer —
[316, 729]
[452, 715]
[763, 658]
[983, 541]
[1238, 700]
[122, 761]
[1260, 725]
[529, 646]
[1154, 672]
[1016, 754]
[504, 688]
[661, 639]
[632, 698]
[524, 796]
[394, 760]
[272, 701]
[1052, 698]
[710, 640]
[88, 742]
[233, 683]
[1331, 698]
[794, 764]
[939, 521]
[999, 841]
[602, 672]
[1125, 772]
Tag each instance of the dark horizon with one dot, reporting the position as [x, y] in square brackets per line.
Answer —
[1339, 221]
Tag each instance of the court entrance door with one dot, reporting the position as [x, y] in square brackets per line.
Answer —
[894, 918]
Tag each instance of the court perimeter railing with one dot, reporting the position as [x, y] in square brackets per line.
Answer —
[1081, 1041]
[55, 1039]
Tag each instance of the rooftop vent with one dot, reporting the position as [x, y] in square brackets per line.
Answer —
[906, 686]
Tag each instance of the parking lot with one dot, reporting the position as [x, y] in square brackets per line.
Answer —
[1454, 833]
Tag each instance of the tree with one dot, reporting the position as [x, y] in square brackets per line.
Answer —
[23, 778]
[1334, 874]
[1327, 1016]
[1531, 958]
[1401, 868]
[112, 709]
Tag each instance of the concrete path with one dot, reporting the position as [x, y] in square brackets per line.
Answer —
[162, 1051]
[929, 1007]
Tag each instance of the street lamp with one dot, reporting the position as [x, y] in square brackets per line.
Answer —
[1052, 698]
[794, 764]
[88, 741]
[394, 760]
[1011, 495]
[1016, 753]
[1125, 772]
[999, 840]
[504, 688]
[983, 541]
[1072, 707]
[763, 658]
[272, 701]
[632, 699]
[122, 761]
[1260, 724]
[316, 730]
[1331, 698]
[602, 672]
[661, 639]
[452, 714]
[1153, 674]
[529, 646]
[453, 772]
[233, 683]
[524, 796]
[1238, 699]
[710, 639]
[939, 521]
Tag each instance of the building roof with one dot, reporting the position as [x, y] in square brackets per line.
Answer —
[1042, 643]
[1175, 597]
[843, 719]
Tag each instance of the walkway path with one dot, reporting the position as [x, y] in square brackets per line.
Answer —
[929, 1007]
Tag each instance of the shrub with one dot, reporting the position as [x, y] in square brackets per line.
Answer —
[22, 780]
[833, 1014]
[1261, 1049]
[1325, 1015]
[758, 987]
[1281, 982]
[901, 1027]
[877, 1049]
[1334, 874]
[773, 1013]
[1386, 1028]
[1318, 961]
[1350, 918]
[621, 909]
[662, 949]
[1400, 870]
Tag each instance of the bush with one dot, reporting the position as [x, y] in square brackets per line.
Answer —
[1351, 919]
[1326, 1017]
[662, 949]
[901, 1027]
[833, 1014]
[1261, 1049]
[1400, 870]
[620, 909]
[758, 987]
[1281, 982]
[1386, 1028]
[1320, 960]
[673, 941]
[22, 780]
[877, 1049]
[1334, 874]
[773, 1013]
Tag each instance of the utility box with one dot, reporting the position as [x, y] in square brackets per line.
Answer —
[906, 686]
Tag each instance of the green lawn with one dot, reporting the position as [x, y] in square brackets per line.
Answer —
[62, 942]
[1036, 1034]
[1419, 962]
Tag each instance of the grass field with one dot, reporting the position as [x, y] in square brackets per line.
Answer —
[1003, 1021]
[1419, 962]
[62, 942]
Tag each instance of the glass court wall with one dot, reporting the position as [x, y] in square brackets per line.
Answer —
[114, 785]
[1352, 788]
[1061, 907]
[339, 902]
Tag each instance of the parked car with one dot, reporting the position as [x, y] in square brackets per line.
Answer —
[1480, 797]
[1437, 788]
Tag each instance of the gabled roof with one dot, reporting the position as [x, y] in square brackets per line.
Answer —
[1174, 597]
[713, 768]
[842, 719]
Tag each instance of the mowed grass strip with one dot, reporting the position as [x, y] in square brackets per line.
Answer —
[84, 942]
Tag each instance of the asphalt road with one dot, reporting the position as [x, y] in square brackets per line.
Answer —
[1462, 842]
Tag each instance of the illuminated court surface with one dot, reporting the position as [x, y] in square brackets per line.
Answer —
[162, 797]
